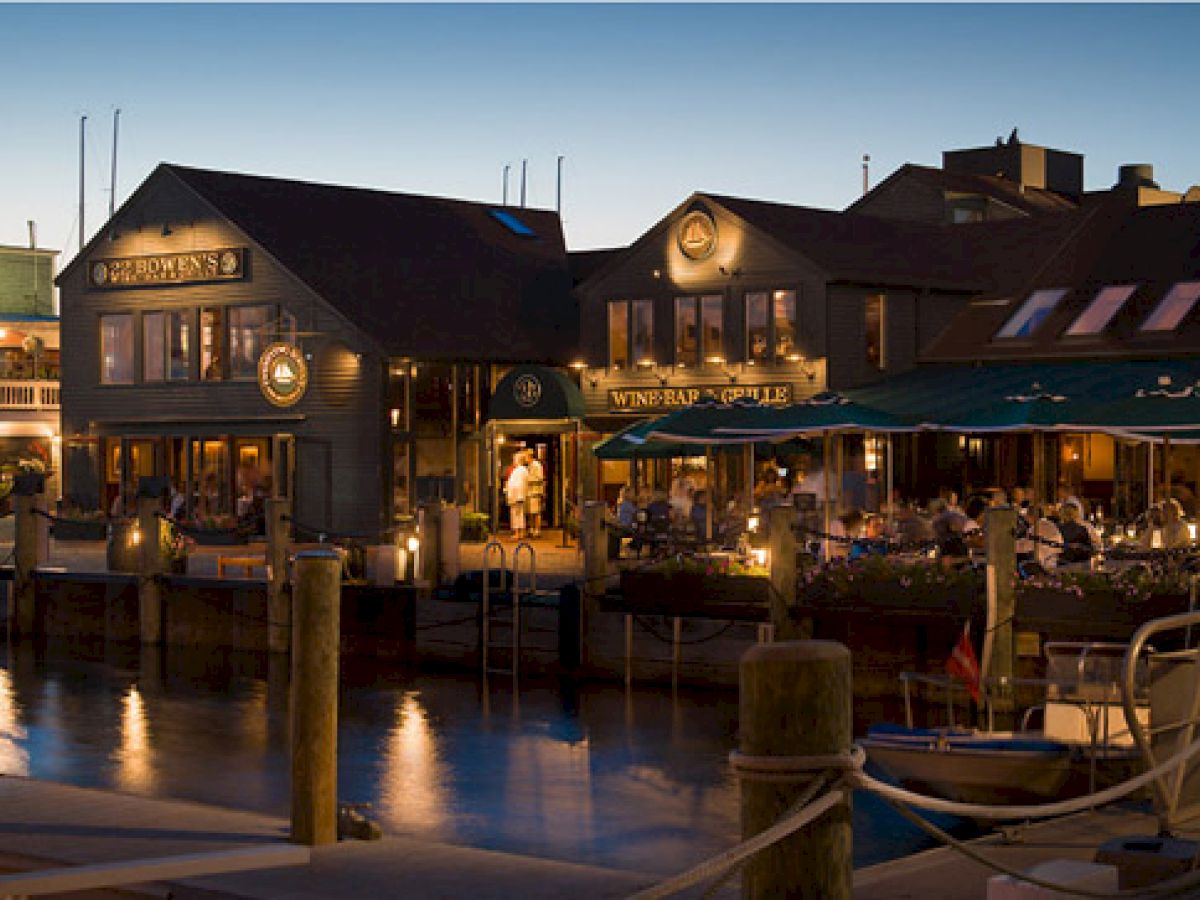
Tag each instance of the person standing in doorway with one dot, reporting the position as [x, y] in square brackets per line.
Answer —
[515, 492]
[535, 494]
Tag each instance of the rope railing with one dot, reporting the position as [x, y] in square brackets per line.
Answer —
[67, 520]
[325, 535]
[842, 772]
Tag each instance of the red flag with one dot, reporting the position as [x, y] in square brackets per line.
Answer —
[964, 664]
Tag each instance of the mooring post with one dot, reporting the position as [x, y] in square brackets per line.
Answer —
[999, 641]
[29, 501]
[795, 701]
[429, 528]
[150, 567]
[315, 642]
[783, 549]
[279, 611]
[593, 540]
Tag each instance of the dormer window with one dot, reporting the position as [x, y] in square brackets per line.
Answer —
[1172, 309]
[1032, 314]
[1101, 310]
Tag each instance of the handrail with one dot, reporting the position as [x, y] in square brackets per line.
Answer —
[1140, 637]
[485, 630]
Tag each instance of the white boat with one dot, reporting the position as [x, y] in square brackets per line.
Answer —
[1084, 743]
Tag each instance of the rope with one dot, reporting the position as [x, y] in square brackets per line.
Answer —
[704, 640]
[793, 821]
[792, 768]
[324, 534]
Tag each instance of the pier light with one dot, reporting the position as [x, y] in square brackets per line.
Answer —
[760, 555]
[579, 365]
[1192, 532]
[413, 544]
[135, 536]
[752, 523]
[395, 414]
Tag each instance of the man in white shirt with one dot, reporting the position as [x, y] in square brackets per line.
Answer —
[515, 495]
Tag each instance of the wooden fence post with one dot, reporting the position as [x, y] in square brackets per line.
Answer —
[29, 500]
[314, 706]
[999, 642]
[150, 596]
[784, 548]
[795, 700]
[279, 611]
[593, 540]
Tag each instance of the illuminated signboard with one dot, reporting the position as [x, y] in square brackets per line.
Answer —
[664, 399]
[282, 374]
[225, 264]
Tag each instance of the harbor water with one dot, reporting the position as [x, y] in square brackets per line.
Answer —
[589, 773]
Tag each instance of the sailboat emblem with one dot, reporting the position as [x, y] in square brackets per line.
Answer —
[697, 235]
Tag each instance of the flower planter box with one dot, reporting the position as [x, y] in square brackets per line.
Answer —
[696, 593]
[79, 531]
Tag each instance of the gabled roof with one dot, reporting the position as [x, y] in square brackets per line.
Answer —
[1111, 244]
[423, 276]
[585, 263]
[1027, 200]
[852, 247]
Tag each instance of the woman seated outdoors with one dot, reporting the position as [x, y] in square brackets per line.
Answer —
[1080, 540]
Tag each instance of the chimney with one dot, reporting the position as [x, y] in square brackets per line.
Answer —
[1136, 175]
[32, 235]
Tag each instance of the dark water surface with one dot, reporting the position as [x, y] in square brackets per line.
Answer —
[593, 774]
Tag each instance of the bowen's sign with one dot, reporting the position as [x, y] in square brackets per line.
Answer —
[224, 264]
[636, 400]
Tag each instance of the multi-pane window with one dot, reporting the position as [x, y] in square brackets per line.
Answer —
[770, 326]
[116, 349]
[1031, 314]
[249, 333]
[1101, 310]
[179, 345]
[1173, 307]
[699, 330]
[154, 356]
[642, 331]
[874, 329]
[212, 344]
[618, 334]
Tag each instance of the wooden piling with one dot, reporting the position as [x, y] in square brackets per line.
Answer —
[429, 531]
[29, 501]
[279, 609]
[150, 568]
[795, 701]
[999, 643]
[784, 548]
[314, 706]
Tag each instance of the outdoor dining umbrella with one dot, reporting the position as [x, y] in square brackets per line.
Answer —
[631, 443]
[820, 414]
[711, 423]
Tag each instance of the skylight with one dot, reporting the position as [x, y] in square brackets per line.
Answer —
[1039, 305]
[512, 223]
[1101, 310]
[1173, 307]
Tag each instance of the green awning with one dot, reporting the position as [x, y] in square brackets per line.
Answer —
[1084, 395]
[709, 423]
[535, 393]
[821, 414]
[631, 443]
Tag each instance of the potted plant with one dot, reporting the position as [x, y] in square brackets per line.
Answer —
[886, 583]
[473, 527]
[696, 582]
[214, 530]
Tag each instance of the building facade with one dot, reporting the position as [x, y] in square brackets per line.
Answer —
[251, 336]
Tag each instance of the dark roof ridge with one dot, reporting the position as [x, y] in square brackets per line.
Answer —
[183, 170]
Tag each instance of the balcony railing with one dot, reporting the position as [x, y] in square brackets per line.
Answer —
[27, 394]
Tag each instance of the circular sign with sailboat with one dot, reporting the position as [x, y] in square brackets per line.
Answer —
[282, 374]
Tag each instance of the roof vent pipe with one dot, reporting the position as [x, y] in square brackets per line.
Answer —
[32, 235]
[1133, 175]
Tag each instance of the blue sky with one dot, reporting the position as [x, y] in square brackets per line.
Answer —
[647, 103]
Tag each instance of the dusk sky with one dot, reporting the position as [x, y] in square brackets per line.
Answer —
[647, 103]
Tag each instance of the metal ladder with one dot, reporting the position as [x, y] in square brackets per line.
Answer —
[486, 621]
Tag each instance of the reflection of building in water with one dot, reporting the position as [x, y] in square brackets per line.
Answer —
[558, 815]
[14, 758]
[413, 780]
[135, 771]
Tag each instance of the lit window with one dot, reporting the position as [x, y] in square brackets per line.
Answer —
[153, 346]
[179, 345]
[618, 334]
[770, 326]
[642, 330]
[785, 325]
[248, 336]
[1039, 305]
[758, 334]
[1100, 311]
[700, 330]
[1177, 304]
[873, 327]
[212, 344]
[512, 223]
[116, 349]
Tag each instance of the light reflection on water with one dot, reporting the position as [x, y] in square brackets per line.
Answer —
[594, 774]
